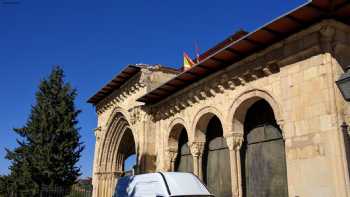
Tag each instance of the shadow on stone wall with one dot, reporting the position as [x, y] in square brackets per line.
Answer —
[147, 163]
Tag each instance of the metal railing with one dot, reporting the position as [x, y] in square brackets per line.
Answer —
[74, 191]
[53, 191]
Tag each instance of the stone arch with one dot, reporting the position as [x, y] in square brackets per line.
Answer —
[201, 120]
[116, 126]
[114, 131]
[244, 101]
[210, 152]
[262, 153]
[117, 143]
[177, 142]
[174, 130]
[114, 113]
[126, 147]
[236, 119]
[119, 154]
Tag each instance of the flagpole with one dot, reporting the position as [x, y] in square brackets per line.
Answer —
[196, 51]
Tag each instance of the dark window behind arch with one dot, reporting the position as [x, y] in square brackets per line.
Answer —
[184, 160]
[216, 160]
[262, 154]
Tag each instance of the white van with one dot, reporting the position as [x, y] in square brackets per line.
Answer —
[161, 184]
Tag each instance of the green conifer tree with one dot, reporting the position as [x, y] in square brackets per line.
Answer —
[50, 145]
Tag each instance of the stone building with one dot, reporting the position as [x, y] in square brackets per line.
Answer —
[259, 115]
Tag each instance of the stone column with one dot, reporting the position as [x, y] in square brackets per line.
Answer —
[197, 149]
[106, 184]
[109, 178]
[234, 142]
[114, 176]
[103, 184]
[97, 186]
[95, 179]
[100, 184]
[172, 155]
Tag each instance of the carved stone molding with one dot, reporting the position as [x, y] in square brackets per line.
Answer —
[109, 175]
[129, 88]
[234, 141]
[97, 132]
[205, 89]
[135, 114]
[172, 154]
[117, 174]
[254, 67]
[197, 148]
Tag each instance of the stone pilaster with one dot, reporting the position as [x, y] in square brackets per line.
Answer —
[234, 142]
[106, 183]
[95, 178]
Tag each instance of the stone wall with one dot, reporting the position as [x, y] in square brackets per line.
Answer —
[122, 103]
[295, 76]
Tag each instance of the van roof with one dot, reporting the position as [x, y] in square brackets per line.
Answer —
[162, 183]
[182, 183]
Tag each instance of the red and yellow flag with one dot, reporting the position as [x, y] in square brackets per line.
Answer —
[188, 63]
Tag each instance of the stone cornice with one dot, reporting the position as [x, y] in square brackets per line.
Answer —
[121, 94]
[143, 80]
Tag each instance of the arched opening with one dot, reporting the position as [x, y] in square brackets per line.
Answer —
[130, 164]
[118, 144]
[178, 143]
[127, 152]
[184, 160]
[262, 154]
[216, 159]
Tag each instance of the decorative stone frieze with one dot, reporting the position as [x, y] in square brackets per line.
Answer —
[205, 90]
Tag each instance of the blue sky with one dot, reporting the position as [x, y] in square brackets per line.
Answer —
[93, 40]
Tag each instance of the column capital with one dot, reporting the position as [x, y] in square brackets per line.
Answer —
[117, 174]
[109, 175]
[172, 153]
[234, 141]
[97, 132]
[197, 148]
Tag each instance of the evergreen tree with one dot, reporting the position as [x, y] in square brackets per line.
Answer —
[50, 145]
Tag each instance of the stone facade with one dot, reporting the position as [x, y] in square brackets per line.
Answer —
[295, 76]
